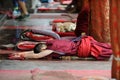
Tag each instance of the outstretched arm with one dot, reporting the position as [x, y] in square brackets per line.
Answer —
[39, 55]
[30, 54]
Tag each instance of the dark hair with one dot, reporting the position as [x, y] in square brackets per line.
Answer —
[37, 48]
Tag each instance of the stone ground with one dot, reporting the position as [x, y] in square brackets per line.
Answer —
[9, 34]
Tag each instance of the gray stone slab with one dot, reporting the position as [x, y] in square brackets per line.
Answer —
[54, 65]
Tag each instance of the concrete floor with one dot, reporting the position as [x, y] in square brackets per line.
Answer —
[11, 30]
[54, 65]
[44, 23]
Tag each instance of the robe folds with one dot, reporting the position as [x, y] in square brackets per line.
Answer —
[85, 47]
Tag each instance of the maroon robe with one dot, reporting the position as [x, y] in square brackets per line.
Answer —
[86, 47]
[65, 46]
[82, 22]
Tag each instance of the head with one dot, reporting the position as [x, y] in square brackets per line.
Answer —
[39, 47]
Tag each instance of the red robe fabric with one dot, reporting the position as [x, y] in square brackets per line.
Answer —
[90, 47]
[86, 47]
[66, 46]
[99, 20]
[82, 22]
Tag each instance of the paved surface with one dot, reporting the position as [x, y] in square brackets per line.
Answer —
[54, 65]
[10, 31]
[35, 22]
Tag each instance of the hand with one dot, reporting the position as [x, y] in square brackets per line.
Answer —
[16, 56]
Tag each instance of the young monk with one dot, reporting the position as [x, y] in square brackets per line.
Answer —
[60, 47]
[84, 47]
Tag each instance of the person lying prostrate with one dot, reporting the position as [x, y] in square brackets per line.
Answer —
[39, 51]
[84, 47]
